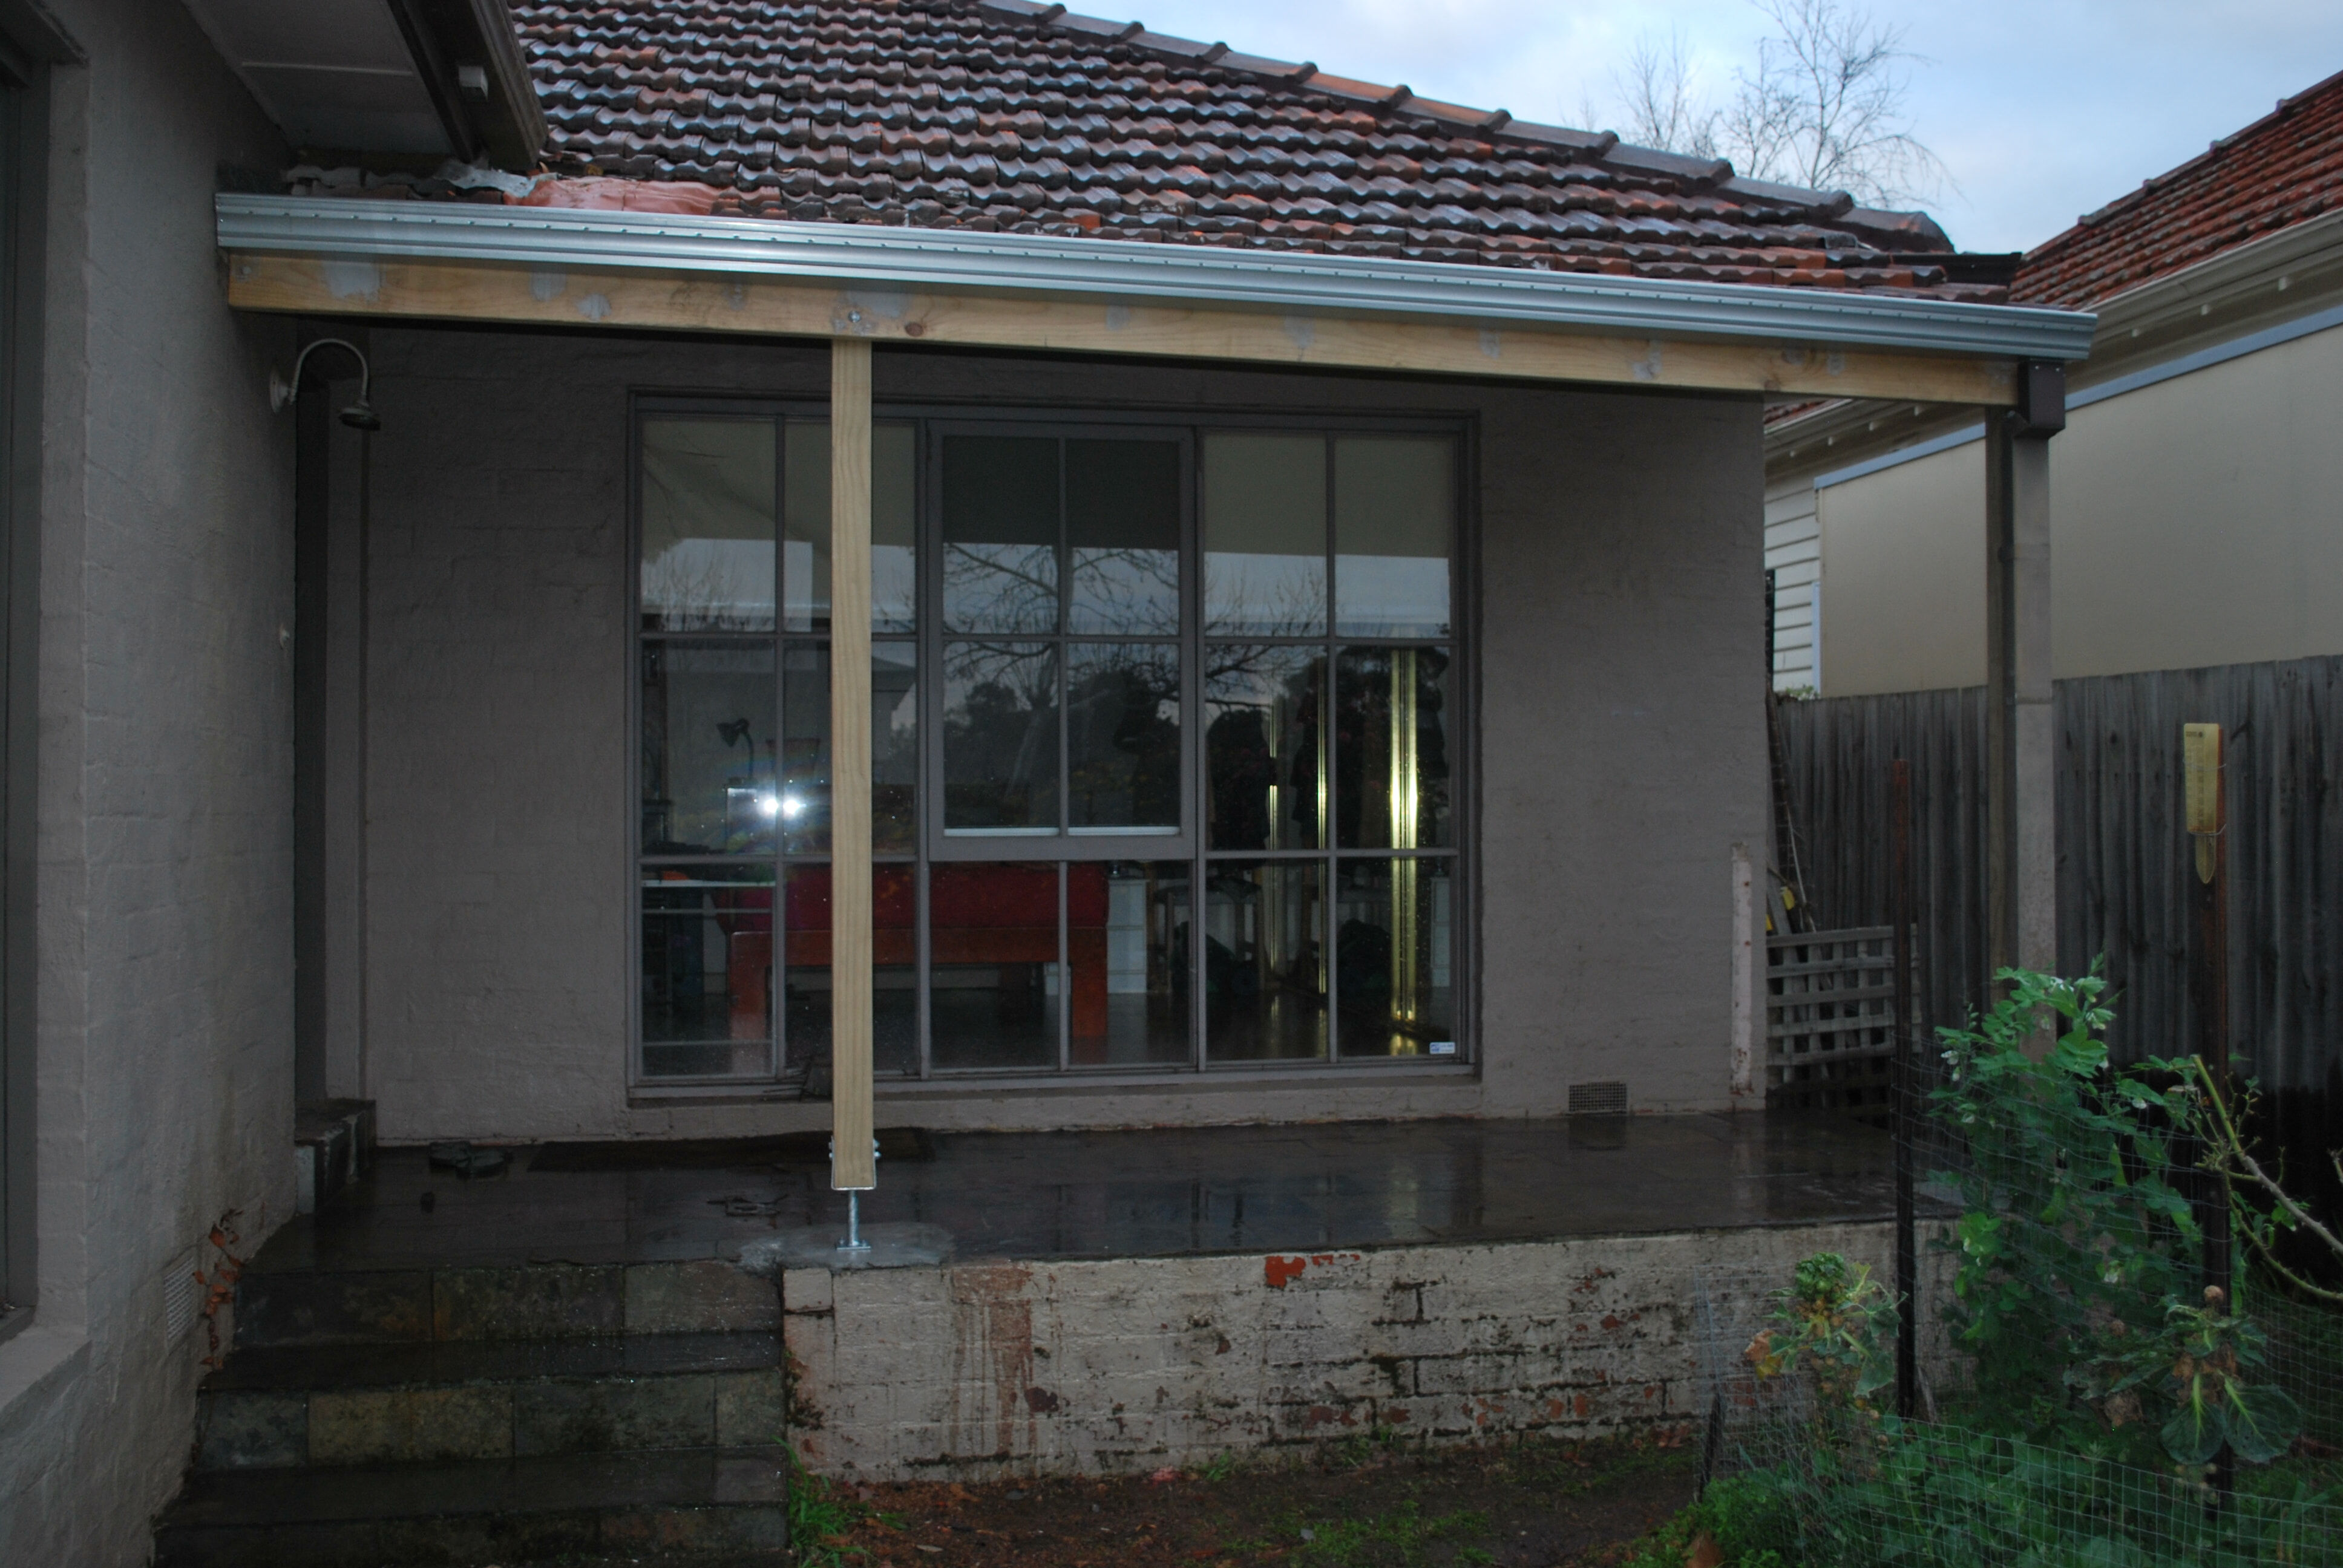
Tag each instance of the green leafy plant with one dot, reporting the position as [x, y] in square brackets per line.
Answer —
[2201, 1365]
[2073, 1231]
[1836, 1322]
[820, 1520]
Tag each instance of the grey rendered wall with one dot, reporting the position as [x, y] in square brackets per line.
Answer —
[1622, 742]
[165, 875]
[2194, 522]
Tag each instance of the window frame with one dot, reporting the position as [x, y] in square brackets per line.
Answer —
[1190, 426]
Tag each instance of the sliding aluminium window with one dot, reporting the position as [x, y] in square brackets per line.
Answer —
[1177, 793]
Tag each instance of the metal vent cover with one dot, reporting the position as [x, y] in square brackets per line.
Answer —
[1606, 1099]
[179, 1293]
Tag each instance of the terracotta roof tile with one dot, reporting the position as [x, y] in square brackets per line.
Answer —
[2279, 171]
[993, 115]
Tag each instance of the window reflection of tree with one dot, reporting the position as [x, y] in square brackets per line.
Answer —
[1000, 588]
[1001, 734]
[1126, 590]
[1262, 744]
[1122, 728]
[1294, 606]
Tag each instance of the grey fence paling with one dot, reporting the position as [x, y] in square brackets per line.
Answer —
[2122, 857]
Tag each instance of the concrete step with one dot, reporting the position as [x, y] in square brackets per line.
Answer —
[290, 1307]
[513, 1511]
[377, 1404]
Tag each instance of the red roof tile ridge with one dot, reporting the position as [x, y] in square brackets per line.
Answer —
[2089, 225]
[1014, 116]
[1594, 146]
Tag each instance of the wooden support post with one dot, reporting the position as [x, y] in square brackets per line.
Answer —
[852, 1164]
[2021, 846]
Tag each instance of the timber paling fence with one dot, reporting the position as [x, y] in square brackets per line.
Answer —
[2124, 863]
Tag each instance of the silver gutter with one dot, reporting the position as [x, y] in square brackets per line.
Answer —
[863, 256]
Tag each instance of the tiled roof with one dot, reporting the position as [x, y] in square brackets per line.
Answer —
[2282, 169]
[999, 115]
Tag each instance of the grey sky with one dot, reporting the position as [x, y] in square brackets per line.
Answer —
[2041, 110]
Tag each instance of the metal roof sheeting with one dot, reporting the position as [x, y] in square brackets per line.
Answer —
[870, 256]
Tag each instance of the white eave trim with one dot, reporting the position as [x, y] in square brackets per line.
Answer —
[870, 257]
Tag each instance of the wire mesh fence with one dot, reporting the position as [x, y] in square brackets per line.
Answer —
[2089, 1372]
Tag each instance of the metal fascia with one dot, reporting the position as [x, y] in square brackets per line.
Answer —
[856, 256]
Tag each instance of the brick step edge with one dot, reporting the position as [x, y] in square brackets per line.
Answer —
[294, 1307]
[331, 1427]
[732, 1500]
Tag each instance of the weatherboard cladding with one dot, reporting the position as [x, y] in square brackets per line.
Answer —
[2283, 169]
[1007, 117]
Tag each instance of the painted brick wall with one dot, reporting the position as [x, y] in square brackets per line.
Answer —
[1086, 1367]
[984, 1368]
[165, 1084]
[1621, 744]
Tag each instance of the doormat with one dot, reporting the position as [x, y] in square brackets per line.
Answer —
[900, 1145]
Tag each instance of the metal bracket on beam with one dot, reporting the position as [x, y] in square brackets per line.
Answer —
[2041, 399]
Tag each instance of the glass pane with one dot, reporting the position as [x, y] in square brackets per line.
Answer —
[894, 746]
[894, 973]
[1265, 960]
[1394, 945]
[1122, 536]
[1264, 507]
[1122, 736]
[709, 748]
[804, 802]
[1127, 950]
[805, 751]
[1000, 737]
[1000, 534]
[708, 525]
[805, 543]
[1394, 500]
[1262, 760]
[1391, 748]
[707, 972]
[993, 988]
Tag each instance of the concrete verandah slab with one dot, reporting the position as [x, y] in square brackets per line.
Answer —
[1146, 1192]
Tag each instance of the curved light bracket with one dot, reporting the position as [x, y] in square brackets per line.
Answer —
[359, 416]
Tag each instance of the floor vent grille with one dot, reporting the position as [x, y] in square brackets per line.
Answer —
[179, 1292]
[1608, 1099]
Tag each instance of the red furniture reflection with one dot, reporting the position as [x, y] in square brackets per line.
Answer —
[977, 915]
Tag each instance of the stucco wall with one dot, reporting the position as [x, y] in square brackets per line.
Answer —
[165, 1088]
[2194, 522]
[1621, 742]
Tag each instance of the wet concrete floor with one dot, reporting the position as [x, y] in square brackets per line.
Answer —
[1157, 1192]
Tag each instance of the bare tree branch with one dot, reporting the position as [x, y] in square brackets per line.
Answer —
[1664, 108]
[1825, 107]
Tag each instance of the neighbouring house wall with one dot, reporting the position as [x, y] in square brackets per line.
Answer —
[1903, 573]
[1621, 736]
[165, 995]
[1793, 554]
[2194, 522]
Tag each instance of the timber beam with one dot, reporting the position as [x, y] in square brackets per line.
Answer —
[638, 299]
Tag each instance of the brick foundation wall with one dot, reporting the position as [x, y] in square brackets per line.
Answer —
[989, 1368]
